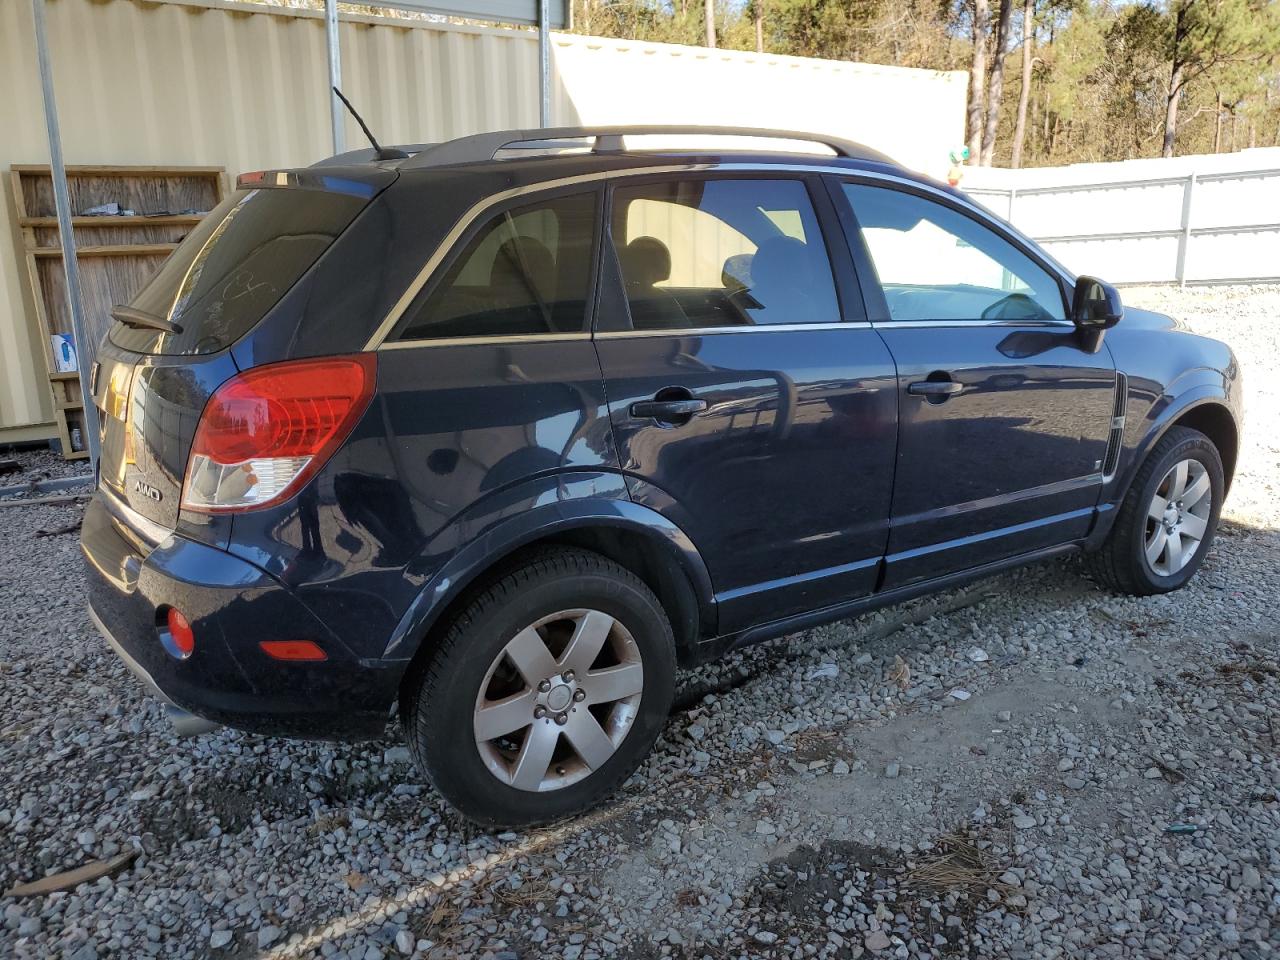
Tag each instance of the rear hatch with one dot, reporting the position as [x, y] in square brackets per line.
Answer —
[168, 351]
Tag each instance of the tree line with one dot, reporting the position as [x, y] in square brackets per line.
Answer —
[1050, 81]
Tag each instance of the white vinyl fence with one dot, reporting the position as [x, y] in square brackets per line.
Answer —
[1185, 220]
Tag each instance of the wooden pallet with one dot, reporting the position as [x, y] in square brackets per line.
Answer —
[117, 255]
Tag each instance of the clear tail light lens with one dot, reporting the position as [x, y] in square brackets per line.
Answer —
[265, 432]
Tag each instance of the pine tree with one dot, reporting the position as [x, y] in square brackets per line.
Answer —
[1205, 34]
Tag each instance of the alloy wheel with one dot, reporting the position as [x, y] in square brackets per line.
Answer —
[558, 700]
[1178, 517]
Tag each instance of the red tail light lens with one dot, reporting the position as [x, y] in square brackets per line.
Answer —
[265, 432]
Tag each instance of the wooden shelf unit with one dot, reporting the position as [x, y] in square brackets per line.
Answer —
[117, 254]
[111, 250]
[108, 220]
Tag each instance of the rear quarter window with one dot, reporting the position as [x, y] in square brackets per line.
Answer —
[235, 266]
[526, 272]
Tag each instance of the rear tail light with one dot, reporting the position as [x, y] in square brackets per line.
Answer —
[267, 431]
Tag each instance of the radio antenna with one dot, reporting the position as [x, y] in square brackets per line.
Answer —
[380, 152]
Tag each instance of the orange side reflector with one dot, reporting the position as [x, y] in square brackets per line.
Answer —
[293, 650]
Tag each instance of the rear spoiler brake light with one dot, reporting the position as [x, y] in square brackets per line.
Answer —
[257, 179]
[313, 180]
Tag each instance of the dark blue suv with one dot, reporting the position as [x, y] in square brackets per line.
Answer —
[500, 433]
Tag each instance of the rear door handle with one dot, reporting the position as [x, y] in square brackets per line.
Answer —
[668, 411]
[935, 389]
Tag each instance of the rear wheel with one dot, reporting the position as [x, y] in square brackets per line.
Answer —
[1168, 518]
[546, 692]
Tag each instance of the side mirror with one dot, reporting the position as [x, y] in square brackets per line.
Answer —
[1096, 305]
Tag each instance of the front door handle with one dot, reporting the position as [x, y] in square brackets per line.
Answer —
[668, 411]
[935, 390]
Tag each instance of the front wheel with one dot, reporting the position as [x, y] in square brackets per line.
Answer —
[546, 692]
[1168, 518]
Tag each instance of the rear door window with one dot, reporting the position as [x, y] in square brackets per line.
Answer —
[235, 266]
[722, 253]
[525, 272]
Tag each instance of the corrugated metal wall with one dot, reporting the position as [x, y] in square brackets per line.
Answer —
[242, 86]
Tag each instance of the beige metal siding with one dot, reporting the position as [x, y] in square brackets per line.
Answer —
[242, 86]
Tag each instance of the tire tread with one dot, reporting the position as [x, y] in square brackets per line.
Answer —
[1111, 566]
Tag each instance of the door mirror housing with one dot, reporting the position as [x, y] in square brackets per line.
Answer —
[1096, 304]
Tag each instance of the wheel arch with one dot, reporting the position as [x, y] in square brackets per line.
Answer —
[1111, 544]
[1206, 410]
[639, 539]
[1215, 421]
[648, 557]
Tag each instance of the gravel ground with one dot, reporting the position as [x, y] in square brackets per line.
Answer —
[1024, 768]
[38, 466]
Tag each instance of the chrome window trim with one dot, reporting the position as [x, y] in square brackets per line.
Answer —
[905, 324]
[446, 246]
[487, 339]
[472, 214]
[619, 334]
[712, 331]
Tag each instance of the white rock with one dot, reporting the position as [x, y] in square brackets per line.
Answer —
[877, 940]
[267, 936]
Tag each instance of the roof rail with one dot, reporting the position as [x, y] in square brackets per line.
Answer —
[483, 147]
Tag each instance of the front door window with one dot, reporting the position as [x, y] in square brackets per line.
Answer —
[935, 263]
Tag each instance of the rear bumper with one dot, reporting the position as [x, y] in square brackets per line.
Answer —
[232, 606]
[185, 723]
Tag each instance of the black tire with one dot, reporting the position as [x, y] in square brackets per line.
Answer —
[1121, 564]
[441, 696]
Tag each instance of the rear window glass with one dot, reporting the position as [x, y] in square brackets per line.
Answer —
[235, 266]
[722, 253]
